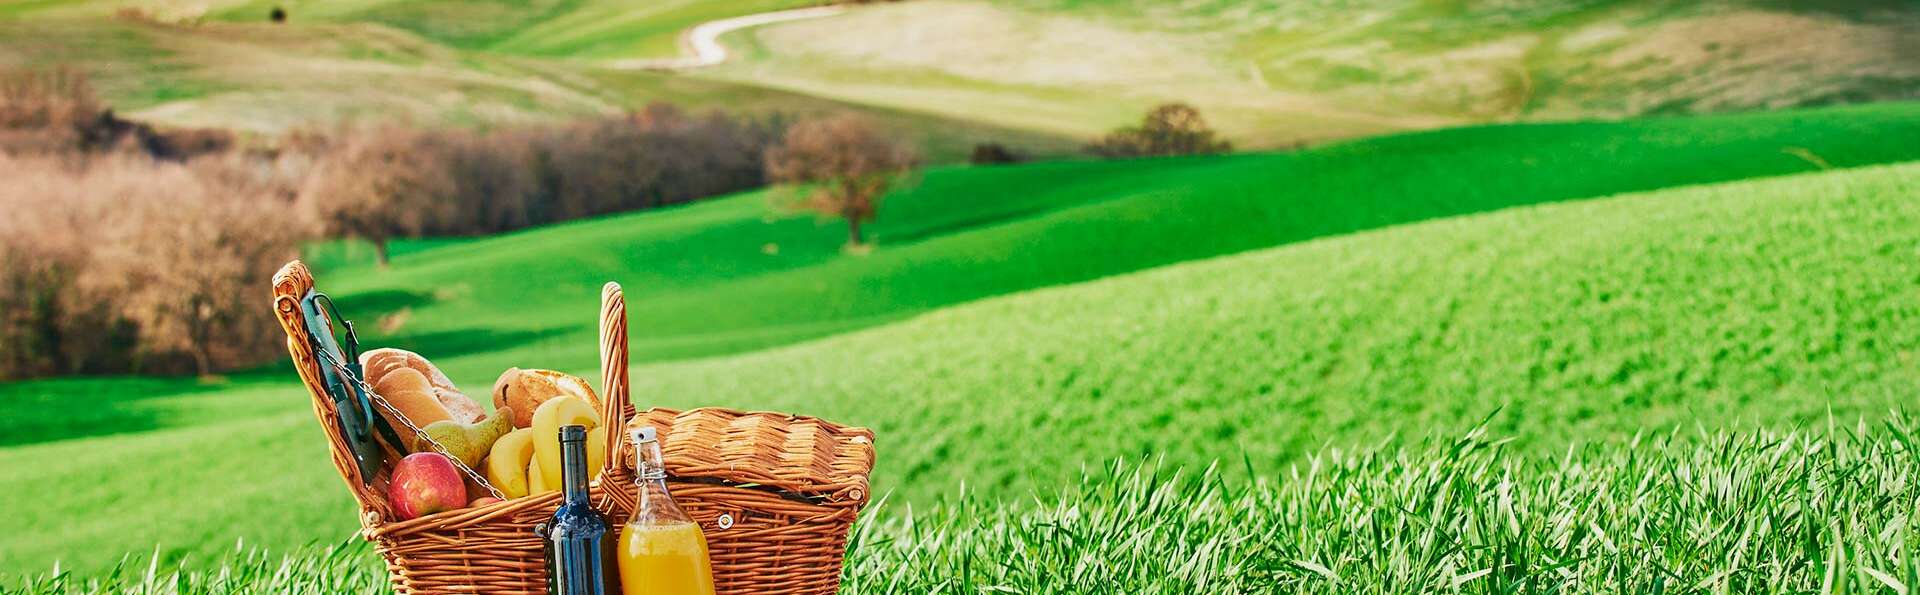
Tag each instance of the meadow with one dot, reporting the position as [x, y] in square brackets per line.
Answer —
[1507, 297]
[1816, 512]
[1718, 306]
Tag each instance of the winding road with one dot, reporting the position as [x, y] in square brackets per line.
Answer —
[703, 41]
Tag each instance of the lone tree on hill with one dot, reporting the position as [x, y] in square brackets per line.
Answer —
[840, 166]
[1170, 129]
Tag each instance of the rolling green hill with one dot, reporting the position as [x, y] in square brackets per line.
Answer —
[722, 276]
[1721, 305]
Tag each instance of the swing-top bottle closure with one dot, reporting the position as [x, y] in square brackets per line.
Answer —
[648, 468]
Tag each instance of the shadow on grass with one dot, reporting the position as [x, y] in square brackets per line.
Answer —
[51, 410]
[443, 345]
[39, 411]
[374, 304]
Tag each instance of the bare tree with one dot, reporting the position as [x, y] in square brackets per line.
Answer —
[385, 183]
[840, 166]
[1169, 129]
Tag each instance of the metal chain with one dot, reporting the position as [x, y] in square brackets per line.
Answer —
[341, 369]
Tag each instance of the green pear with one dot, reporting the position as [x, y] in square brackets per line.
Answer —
[470, 442]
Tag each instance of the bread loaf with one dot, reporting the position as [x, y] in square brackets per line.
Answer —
[409, 392]
[525, 390]
[379, 362]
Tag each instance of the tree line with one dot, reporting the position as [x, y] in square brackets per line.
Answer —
[128, 249]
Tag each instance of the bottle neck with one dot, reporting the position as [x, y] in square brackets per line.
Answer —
[648, 464]
[653, 503]
[573, 471]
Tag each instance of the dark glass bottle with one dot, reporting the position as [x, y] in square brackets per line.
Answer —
[577, 542]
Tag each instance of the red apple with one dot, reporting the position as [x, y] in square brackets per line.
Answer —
[483, 501]
[425, 483]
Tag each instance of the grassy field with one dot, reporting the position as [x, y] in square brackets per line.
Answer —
[1805, 512]
[1272, 74]
[1585, 321]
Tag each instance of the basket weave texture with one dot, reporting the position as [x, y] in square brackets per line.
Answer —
[776, 494]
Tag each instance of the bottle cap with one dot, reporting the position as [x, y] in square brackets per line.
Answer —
[644, 434]
[573, 433]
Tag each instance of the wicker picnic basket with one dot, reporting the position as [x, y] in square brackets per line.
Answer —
[776, 494]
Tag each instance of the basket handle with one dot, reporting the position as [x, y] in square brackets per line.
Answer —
[291, 284]
[617, 404]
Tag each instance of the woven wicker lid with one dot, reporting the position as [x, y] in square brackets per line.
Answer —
[796, 455]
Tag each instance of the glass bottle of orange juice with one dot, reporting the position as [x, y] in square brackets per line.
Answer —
[662, 551]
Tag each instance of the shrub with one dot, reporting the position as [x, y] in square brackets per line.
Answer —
[121, 263]
[1170, 129]
[389, 182]
[396, 181]
[840, 166]
[994, 153]
[54, 110]
[655, 157]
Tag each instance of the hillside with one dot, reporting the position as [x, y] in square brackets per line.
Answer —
[259, 77]
[1273, 74]
[1581, 319]
[729, 275]
[1042, 75]
[1776, 302]
[579, 28]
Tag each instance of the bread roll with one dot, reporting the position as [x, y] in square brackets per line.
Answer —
[525, 390]
[384, 362]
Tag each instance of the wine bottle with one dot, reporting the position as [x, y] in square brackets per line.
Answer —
[578, 551]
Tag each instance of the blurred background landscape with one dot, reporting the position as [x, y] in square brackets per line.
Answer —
[1209, 296]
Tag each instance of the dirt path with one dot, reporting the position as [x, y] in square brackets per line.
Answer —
[703, 41]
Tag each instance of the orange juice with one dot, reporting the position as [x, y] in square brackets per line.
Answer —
[664, 559]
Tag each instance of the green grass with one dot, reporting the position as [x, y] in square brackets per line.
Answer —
[1581, 321]
[1824, 512]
